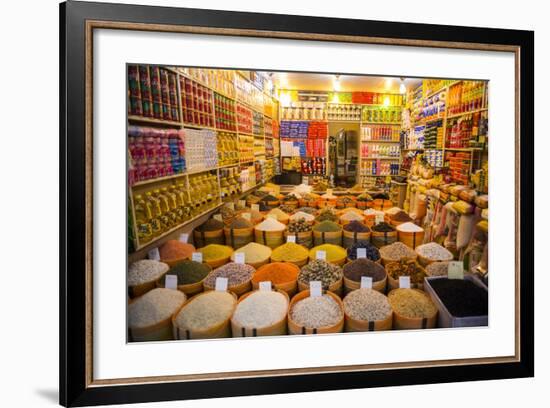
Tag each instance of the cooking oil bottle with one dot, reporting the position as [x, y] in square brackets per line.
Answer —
[165, 221]
[143, 219]
[153, 204]
[172, 203]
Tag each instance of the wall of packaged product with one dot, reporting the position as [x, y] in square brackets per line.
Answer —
[189, 130]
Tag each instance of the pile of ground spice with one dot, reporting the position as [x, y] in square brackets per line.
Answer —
[174, 250]
[276, 273]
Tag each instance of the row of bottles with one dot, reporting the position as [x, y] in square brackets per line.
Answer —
[467, 96]
[467, 131]
[161, 209]
[380, 133]
[230, 182]
[374, 150]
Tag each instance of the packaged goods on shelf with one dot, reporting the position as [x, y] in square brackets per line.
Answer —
[244, 118]
[227, 146]
[434, 107]
[197, 103]
[467, 96]
[159, 209]
[156, 152]
[294, 129]
[152, 92]
[433, 135]
[314, 166]
[386, 114]
[304, 111]
[459, 165]
[469, 130]
[435, 85]
[257, 123]
[434, 158]
[377, 167]
[201, 149]
[376, 133]
[373, 150]
[344, 112]
[225, 113]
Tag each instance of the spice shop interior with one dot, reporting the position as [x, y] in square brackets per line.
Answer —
[282, 203]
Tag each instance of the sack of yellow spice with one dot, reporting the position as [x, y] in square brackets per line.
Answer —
[290, 252]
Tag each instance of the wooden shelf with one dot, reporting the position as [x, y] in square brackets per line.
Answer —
[456, 115]
[380, 141]
[199, 127]
[381, 123]
[158, 179]
[174, 229]
[154, 121]
[379, 157]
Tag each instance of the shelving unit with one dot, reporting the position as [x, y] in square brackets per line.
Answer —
[142, 186]
[444, 119]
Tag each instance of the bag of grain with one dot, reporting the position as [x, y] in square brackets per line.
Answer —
[150, 316]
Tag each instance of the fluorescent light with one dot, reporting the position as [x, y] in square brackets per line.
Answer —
[336, 83]
[285, 99]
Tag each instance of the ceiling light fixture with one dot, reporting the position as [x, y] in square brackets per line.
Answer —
[336, 83]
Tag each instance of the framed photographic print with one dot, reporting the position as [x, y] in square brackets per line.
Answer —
[256, 203]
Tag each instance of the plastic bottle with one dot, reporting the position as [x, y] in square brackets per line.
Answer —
[153, 204]
[143, 219]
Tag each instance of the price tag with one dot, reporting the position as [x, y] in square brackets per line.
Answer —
[184, 238]
[255, 207]
[197, 257]
[221, 284]
[247, 216]
[154, 254]
[239, 257]
[329, 191]
[274, 216]
[231, 205]
[405, 282]
[291, 238]
[218, 217]
[388, 179]
[366, 282]
[455, 270]
[315, 289]
[265, 285]
[321, 255]
[242, 203]
[171, 281]
[378, 218]
[361, 253]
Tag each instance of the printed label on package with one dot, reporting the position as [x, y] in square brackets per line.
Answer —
[366, 282]
[265, 285]
[315, 289]
[221, 284]
[239, 257]
[171, 281]
[154, 254]
[405, 282]
[455, 270]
